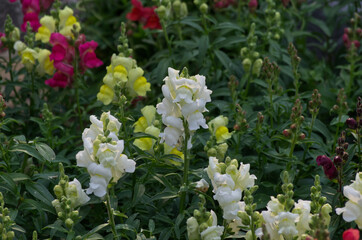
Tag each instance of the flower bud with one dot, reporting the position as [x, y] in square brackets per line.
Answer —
[161, 11]
[243, 52]
[58, 191]
[204, 8]
[246, 64]
[257, 66]
[345, 156]
[10, 235]
[302, 136]
[245, 219]
[286, 132]
[351, 123]
[69, 223]
[337, 160]
[212, 152]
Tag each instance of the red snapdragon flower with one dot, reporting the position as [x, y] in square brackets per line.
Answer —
[45, 4]
[329, 169]
[223, 3]
[351, 234]
[145, 15]
[88, 58]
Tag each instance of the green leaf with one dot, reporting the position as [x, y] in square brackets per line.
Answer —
[139, 191]
[94, 230]
[341, 122]
[16, 177]
[151, 225]
[28, 149]
[322, 25]
[223, 58]
[40, 192]
[47, 153]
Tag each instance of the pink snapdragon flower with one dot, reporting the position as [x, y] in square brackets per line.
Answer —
[60, 47]
[88, 58]
[31, 10]
[59, 79]
[45, 4]
[253, 5]
[33, 19]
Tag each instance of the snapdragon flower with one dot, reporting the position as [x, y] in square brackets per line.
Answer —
[184, 100]
[103, 154]
[228, 183]
[218, 128]
[353, 208]
[123, 71]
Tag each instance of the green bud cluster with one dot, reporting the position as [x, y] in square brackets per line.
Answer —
[320, 209]
[241, 124]
[12, 34]
[295, 61]
[64, 205]
[6, 223]
[171, 10]
[123, 47]
[250, 217]
[29, 36]
[270, 72]
[315, 102]
[286, 199]
[273, 20]
[251, 58]
[216, 150]
[297, 119]
[341, 106]
[200, 221]
[2, 107]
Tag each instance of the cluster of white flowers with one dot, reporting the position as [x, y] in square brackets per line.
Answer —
[102, 154]
[282, 224]
[228, 182]
[209, 229]
[353, 209]
[184, 101]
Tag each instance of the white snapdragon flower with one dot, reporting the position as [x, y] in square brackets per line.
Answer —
[185, 100]
[286, 224]
[271, 225]
[76, 193]
[353, 209]
[102, 154]
[214, 231]
[228, 186]
[302, 208]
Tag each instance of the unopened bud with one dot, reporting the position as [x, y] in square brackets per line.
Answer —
[246, 64]
[204, 8]
[286, 132]
[351, 123]
[69, 223]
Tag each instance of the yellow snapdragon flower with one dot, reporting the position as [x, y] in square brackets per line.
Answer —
[45, 64]
[67, 21]
[46, 29]
[218, 127]
[28, 58]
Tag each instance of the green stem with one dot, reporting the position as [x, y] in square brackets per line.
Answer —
[10, 64]
[271, 112]
[309, 135]
[110, 216]
[185, 181]
[248, 82]
[292, 146]
[164, 29]
[351, 76]
[359, 149]
[337, 133]
[179, 30]
[77, 85]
